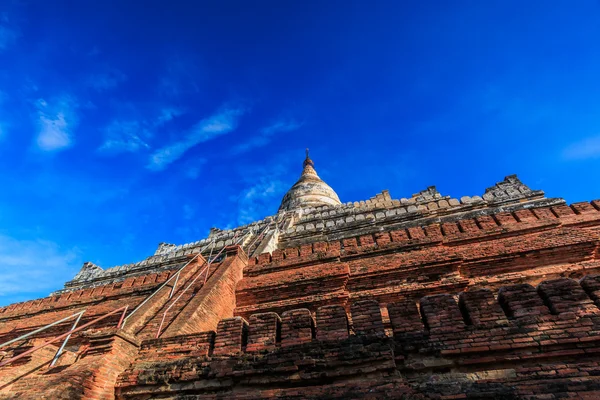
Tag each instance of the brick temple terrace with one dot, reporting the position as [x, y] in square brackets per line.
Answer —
[494, 295]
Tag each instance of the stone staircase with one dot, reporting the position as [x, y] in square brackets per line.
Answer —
[180, 299]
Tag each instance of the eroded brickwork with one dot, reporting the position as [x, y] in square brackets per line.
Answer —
[487, 297]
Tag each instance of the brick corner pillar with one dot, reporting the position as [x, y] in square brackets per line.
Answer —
[231, 336]
[591, 284]
[297, 327]
[366, 318]
[482, 308]
[332, 323]
[235, 250]
[565, 295]
[263, 331]
[441, 314]
[405, 318]
[522, 302]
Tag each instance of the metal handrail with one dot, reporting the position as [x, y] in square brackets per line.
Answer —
[50, 325]
[162, 321]
[68, 334]
[207, 269]
[282, 220]
[259, 236]
[175, 275]
[262, 233]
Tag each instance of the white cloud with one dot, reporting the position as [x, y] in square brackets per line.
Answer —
[221, 123]
[585, 149]
[106, 80]
[133, 135]
[32, 266]
[56, 121]
[265, 135]
[124, 136]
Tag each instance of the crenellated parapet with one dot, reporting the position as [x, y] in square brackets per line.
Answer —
[470, 334]
[425, 207]
[132, 286]
[168, 257]
[436, 317]
[466, 227]
[486, 251]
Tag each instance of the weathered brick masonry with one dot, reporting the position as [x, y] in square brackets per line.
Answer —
[422, 298]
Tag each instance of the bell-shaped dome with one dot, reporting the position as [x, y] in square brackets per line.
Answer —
[309, 191]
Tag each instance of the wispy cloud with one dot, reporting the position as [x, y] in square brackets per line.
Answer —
[266, 134]
[124, 136]
[167, 114]
[56, 120]
[181, 76]
[94, 51]
[32, 266]
[188, 212]
[221, 123]
[8, 35]
[584, 149]
[2, 122]
[259, 199]
[264, 187]
[192, 170]
[105, 80]
[132, 135]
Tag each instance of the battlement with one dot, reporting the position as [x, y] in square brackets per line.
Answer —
[467, 226]
[473, 333]
[168, 256]
[435, 317]
[82, 297]
[427, 206]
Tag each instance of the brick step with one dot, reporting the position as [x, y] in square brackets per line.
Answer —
[150, 329]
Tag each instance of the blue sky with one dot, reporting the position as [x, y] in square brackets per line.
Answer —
[122, 126]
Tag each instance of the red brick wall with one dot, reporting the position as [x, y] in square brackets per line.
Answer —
[484, 252]
[480, 307]
[481, 346]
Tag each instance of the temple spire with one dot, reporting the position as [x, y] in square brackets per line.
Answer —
[310, 190]
[308, 167]
[308, 161]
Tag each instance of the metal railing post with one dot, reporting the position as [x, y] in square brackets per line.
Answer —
[120, 324]
[62, 346]
[174, 285]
